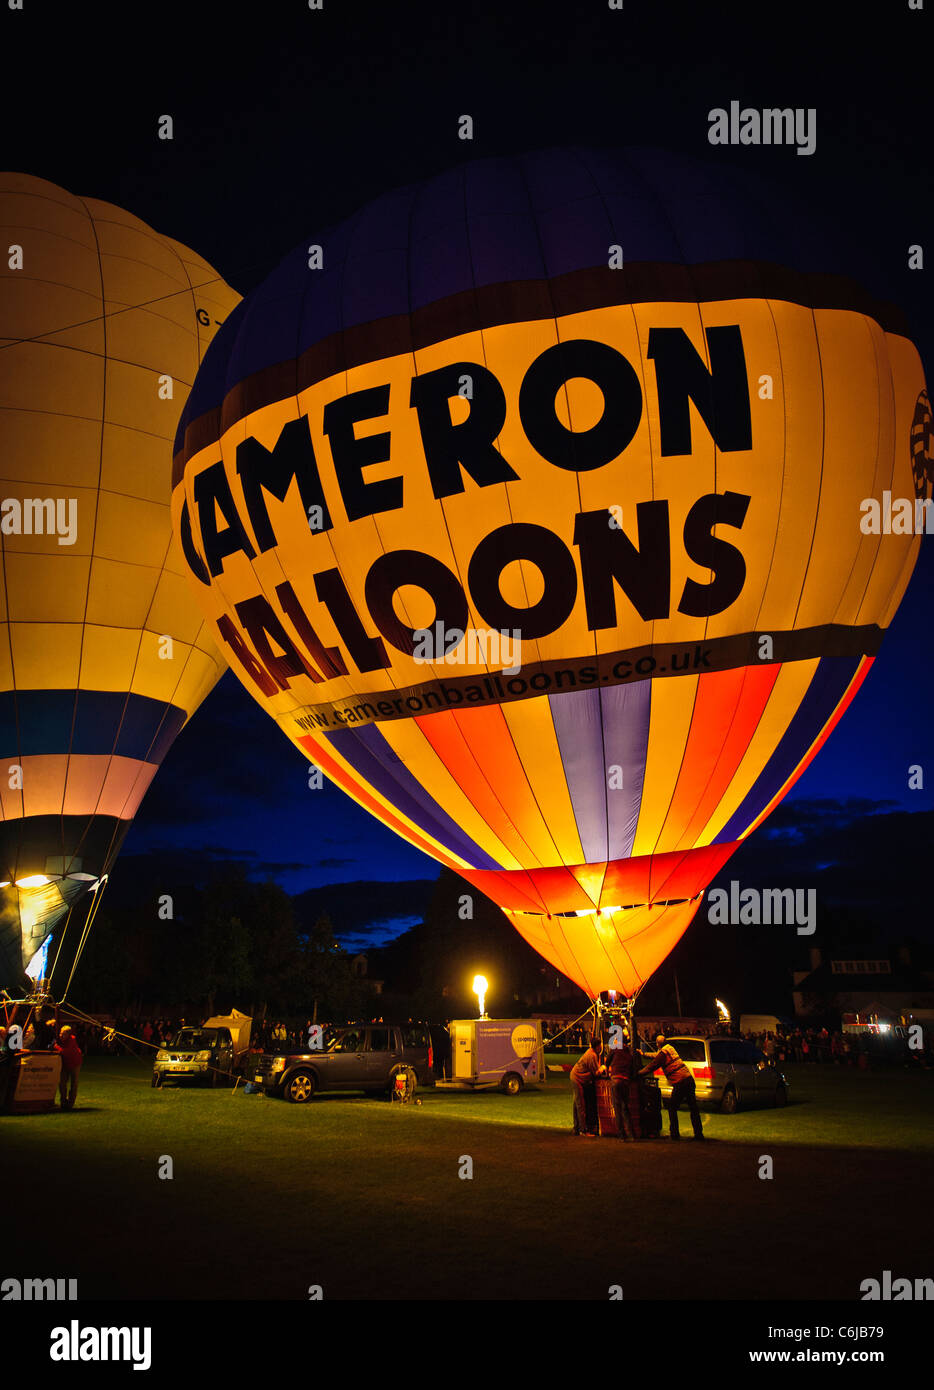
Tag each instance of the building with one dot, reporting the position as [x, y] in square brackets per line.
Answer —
[882, 983]
[359, 967]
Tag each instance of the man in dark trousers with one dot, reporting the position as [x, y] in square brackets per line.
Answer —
[621, 1071]
[682, 1086]
[584, 1086]
[72, 1057]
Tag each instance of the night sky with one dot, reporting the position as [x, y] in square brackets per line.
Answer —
[287, 120]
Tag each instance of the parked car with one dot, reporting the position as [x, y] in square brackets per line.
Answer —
[205, 1055]
[728, 1072]
[356, 1057]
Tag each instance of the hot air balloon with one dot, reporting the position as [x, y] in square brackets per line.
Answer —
[617, 405]
[104, 658]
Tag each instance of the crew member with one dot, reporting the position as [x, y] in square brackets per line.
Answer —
[682, 1086]
[72, 1057]
[584, 1087]
[6, 1066]
[621, 1071]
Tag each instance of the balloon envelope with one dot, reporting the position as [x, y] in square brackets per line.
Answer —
[529, 502]
[104, 658]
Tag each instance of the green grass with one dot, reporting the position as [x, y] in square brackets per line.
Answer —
[364, 1198]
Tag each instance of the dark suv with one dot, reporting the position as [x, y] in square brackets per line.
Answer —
[357, 1057]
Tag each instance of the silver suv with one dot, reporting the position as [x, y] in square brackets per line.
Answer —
[728, 1072]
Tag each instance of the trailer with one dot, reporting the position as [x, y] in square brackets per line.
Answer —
[504, 1052]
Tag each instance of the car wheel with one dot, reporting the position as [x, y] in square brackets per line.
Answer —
[155, 1080]
[728, 1103]
[781, 1096]
[511, 1083]
[299, 1088]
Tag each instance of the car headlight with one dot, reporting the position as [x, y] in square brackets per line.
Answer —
[162, 1056]
[203, 1056]
[277, 1064]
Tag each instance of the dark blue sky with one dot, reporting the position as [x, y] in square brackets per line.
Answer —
[287, 120]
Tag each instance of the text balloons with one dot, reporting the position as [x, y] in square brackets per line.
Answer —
[531, 508]
[103, 658]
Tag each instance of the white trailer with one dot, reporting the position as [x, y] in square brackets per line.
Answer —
[504, 1052]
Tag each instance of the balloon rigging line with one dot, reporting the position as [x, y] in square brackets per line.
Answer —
[98, 895]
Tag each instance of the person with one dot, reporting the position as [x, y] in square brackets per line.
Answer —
[6, 1066]
[44, 1031]
[682, 1086]
[72, 1057]
[620, 1071]
[249, 1071]
[584, 1086]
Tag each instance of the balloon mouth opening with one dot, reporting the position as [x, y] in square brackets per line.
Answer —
[46, 880]
[600, 911]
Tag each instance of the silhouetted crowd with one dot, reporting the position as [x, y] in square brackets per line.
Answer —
[266, 1034]
[797, 1045]
[821, 1045]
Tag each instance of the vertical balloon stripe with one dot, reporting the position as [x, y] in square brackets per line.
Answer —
[758, 684]
[486, 731]
[410, 744]
[862, 672]
[579, 725]
[791, 683]
[727, 711]
[672, 712]
[533, 732]
[625, 710]
[833, 676]
[377, 763]
[469, 768]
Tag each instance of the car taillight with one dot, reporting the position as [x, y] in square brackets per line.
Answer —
[431, 1058]
[703, 1074]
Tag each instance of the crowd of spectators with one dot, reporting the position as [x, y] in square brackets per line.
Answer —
[152, 1033]
[841, 1049]
[801, 1046]
[792, 1045]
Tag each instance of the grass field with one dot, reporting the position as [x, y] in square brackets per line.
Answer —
[364, 1198]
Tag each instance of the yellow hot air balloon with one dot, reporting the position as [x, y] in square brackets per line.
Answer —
[103, 323]
[535, 517]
